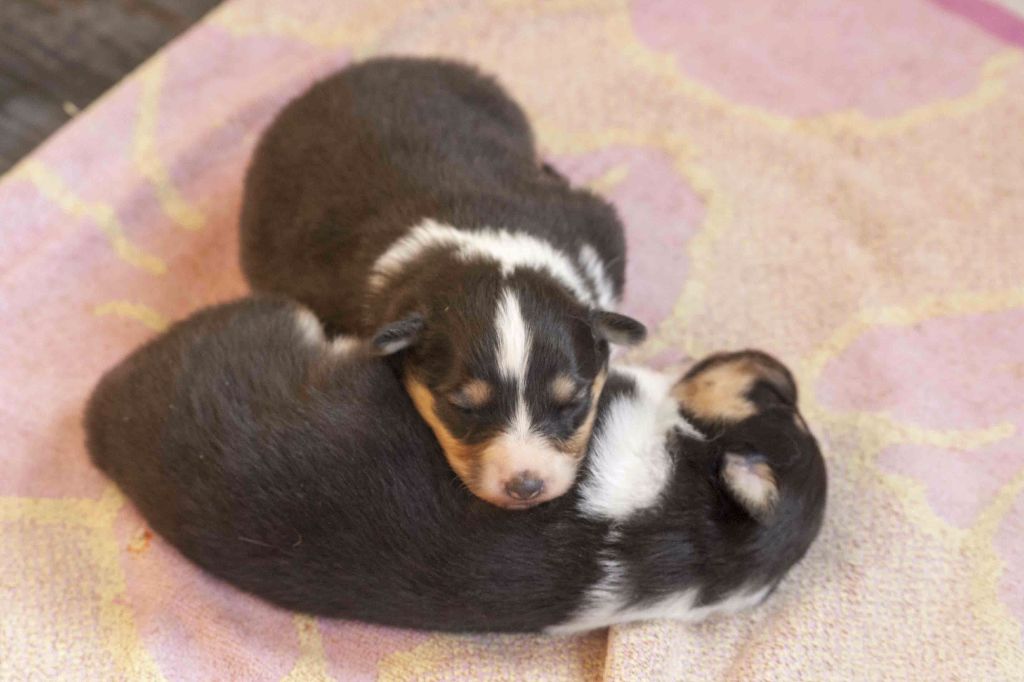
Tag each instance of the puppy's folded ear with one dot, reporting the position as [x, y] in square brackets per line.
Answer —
[751, 482]
[618, 329]
[398, 335]
[727, 388]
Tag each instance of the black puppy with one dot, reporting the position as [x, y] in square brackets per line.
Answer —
[402, 199]
[297, 469]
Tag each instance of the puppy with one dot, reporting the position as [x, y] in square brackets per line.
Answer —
[402, 200]
[297, 469]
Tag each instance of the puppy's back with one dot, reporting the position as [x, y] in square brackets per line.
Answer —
[235, 431]
[199, 375]
[355, 161]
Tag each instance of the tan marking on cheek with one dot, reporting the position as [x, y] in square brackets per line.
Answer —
[576, 444]
[563, 389]
[459, 455]
[475, 393]
[719, 392]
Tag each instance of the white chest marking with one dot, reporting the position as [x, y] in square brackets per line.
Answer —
[508, 250]
[629, 466]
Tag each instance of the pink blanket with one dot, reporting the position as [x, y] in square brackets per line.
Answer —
[841, 183]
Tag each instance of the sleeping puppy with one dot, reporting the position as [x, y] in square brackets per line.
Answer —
[296, 468]
[402, 200]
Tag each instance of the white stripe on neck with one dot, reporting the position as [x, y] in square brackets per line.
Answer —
[509, 250]
[596, 272]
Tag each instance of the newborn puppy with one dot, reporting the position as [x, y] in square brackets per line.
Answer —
[297, 469]
[402, 200]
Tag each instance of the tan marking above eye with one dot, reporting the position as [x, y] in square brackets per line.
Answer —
[474, 393]
[564, 389]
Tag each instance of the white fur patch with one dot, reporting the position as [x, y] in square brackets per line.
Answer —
[594, 267]
[520, 427]
[752, 482]
[345, 345]
[313, 333]
[607, 607]
[309, 326]
[508, 250]
[629, 466]
[393, 346]
[513, 338]
[514, 343]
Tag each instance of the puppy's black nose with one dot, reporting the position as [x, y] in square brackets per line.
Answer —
[525, 486]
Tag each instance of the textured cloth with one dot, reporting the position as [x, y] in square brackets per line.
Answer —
[839, 183]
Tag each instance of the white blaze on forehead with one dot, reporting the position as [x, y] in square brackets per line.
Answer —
[508, 250]
[513, 339]
[520, 427]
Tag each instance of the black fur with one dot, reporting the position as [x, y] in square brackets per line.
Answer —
[366, 155]
[350, 166]
[307, 478]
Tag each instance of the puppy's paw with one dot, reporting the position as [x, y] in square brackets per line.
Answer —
[727, 388]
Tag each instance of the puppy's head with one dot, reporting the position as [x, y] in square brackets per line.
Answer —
[768, 463]
[508, 373]
[726, 388]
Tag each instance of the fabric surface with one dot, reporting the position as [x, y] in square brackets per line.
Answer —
[839, 183]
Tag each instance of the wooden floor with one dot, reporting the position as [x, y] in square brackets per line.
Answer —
[57, 56]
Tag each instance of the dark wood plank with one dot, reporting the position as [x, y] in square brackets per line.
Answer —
[57, 56]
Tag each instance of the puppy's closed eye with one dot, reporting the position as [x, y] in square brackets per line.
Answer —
[566, 391]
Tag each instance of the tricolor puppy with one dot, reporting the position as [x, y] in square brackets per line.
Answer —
[402, 200]
[296, 468]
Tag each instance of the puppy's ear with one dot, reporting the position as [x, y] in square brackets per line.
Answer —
[617, 329]
[751, 482]
[397, 335]
[727, 388]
